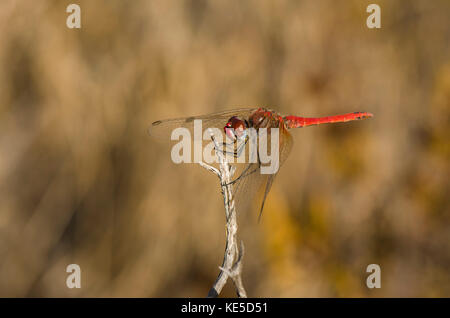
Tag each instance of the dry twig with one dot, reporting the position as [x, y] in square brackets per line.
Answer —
[232, 261]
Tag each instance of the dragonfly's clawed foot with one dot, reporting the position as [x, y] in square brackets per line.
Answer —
[232, 182]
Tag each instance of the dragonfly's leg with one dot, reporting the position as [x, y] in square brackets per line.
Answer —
[243, 174]
[225, 146]
[237, 153]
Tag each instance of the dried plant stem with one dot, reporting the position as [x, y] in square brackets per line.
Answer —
[232, 261]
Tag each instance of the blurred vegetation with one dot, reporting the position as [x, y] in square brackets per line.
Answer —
[81, 182]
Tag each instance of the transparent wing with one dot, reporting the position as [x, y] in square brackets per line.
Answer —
[286, 144]
[163, 128]
[251, 183]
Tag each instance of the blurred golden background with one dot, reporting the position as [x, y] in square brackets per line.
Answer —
[82, 182]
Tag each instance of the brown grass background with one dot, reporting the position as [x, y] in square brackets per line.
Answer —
[81, 181]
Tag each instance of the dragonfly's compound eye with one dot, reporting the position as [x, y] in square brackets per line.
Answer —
[238, 130]
[229, 131]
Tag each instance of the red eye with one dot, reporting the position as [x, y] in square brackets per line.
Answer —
[237, 128]
[228, 125]
[229, 131]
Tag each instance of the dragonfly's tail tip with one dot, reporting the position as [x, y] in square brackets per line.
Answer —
[363, 115]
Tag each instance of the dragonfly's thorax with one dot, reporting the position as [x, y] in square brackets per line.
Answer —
[264, 118]
[237, 128]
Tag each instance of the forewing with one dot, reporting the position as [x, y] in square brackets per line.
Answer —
[163, 128]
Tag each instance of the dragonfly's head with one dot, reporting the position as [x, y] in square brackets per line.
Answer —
[235, 128]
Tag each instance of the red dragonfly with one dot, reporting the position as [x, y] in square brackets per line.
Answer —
[235, 124]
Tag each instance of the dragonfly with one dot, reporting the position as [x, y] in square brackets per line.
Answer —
[235, 125]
